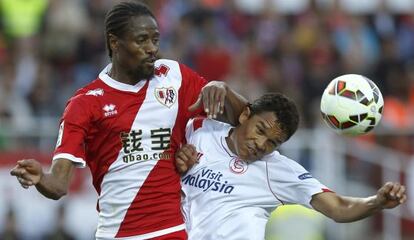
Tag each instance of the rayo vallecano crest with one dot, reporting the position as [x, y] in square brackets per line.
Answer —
[166, 96]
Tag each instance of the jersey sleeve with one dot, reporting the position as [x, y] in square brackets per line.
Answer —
[193, 83]
[290, 182]
[73, 131]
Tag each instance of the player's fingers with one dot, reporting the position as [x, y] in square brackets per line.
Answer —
[206, 101]
[188, 151]
[222, 99]
[403, 199]
[212, 97]
[182, 156]
[24, 181]
[401, 191]
[25, 162]
[181, 166]
[386, 188]
[395, 188]
[18, 172]
[196, 105]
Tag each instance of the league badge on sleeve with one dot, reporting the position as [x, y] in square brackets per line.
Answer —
[166, 96]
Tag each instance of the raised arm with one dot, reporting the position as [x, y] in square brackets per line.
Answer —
[53, 184]
[348, 209]
[220, 102]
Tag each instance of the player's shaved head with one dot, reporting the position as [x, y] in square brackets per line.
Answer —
[118, 18]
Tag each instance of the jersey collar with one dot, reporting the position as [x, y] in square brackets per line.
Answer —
[104, 76]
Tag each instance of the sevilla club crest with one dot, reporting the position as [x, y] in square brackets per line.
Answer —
[238, 166]
[166, 96]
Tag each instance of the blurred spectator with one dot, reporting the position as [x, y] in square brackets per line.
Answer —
[22, 18]
[59, 232]
[10, 227]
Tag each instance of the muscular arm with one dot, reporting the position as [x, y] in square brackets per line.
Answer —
[233, 107]
[220, 102]
[344, 209]
[53, 184]
[349, 209]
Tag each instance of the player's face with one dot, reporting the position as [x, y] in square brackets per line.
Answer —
[257, 135]
[136, 50]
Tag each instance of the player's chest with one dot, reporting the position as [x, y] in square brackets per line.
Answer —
[153, 109]
[229, 177]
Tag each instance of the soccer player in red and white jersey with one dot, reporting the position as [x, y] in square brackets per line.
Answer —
[240, 178]
[125, 126]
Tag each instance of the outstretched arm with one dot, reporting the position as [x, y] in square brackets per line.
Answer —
[53, 184]
[220, 102]
[349, 209]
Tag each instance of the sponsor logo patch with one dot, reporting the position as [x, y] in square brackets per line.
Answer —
[208, 180]
[109, 110]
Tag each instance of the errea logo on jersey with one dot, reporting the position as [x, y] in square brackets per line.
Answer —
[95, 92]
[166, 96]
[109, 110]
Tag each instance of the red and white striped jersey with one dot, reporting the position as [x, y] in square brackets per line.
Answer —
[128, 135]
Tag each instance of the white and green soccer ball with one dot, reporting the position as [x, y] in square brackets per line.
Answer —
[352, 104]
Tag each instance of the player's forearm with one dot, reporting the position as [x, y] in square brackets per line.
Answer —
[51, 186]
[234, 105]
[353, 209]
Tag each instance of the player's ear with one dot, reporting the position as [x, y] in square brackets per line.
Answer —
[245, 114]
[113, 42]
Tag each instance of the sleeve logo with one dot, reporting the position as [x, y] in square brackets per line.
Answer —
[60, 135]
[95, 92]
[166, 96]
[305, 176]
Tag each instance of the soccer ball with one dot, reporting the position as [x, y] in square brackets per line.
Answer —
[352, 104]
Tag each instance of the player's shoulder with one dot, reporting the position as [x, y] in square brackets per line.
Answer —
[90, 92]
[167, 62]
[206, 125]
[281, 163]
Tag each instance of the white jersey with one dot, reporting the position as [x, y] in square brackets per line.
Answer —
[226, 198]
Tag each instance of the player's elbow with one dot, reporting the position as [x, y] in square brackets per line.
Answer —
[56, 195]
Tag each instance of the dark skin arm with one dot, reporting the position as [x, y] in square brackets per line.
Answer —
[53, 184]
[349, 209]
[220, 102]
[185, 158]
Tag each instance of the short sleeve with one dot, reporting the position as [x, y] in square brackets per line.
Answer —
[192, 126]
[290, 182]
[192, 83]
[73, 130]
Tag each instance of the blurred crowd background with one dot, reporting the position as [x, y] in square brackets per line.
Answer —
[50, 48]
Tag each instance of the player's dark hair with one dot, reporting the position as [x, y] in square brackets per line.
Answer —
[285, 109]
[117, 19]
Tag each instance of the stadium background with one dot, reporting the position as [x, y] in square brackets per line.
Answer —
[49, 48]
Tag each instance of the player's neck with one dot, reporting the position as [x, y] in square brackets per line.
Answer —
[121, 76]
[230, 140]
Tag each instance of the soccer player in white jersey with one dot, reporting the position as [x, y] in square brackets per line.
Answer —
[125, 126]
[240, 178]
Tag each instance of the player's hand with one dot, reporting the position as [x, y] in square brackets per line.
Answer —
[185, 158]
[28, 172]
[391, 195]
[212, 97]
